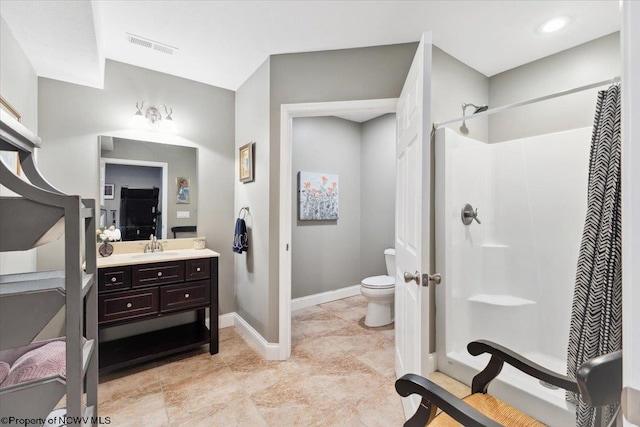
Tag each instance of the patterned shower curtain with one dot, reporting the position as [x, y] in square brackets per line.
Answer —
[596, 315]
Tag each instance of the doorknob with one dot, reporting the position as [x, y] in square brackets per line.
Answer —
[427, 279]
[408, 277]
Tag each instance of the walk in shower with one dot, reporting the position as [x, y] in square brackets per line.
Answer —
[509, 277]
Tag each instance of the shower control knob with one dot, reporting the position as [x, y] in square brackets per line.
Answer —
[468, 214]
[408, 277]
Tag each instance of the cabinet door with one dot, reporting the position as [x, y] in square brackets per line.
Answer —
[127, 305]
[198, 269]
[114, 278]
[185, 295]
[158, 273]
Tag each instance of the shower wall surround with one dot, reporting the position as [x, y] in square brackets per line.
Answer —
[510, 279]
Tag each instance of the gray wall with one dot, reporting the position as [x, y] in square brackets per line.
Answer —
[377, 193]
[326, 254]
[19, 86]
[588, 63]
[71, 117]
[339, 75]
[182, 161]
[452, 83]
[252, 267]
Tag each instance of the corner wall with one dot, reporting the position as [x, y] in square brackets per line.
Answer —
[252, 267]
[452, 83]
[378, 193]
[19, 86]
[340, 75]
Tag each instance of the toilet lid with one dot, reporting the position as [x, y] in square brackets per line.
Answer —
[379, 282]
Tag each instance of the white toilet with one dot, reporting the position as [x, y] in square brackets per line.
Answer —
[380, 290]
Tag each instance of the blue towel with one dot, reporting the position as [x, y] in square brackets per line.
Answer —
[240, 238]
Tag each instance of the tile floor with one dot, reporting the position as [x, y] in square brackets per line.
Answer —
[340, 373]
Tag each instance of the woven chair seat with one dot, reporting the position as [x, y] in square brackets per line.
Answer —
[493, 408]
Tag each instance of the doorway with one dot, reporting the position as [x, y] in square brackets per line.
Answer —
[288, 113]
[143, 169]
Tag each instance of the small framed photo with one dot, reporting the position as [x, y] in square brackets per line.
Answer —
[246, 163]
[109, 191]
[183, 190]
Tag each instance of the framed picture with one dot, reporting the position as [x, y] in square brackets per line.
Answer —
[246, 163]
[317, 196]
[183, 196]
[109, 191]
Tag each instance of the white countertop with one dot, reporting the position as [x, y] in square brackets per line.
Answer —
[130, 253]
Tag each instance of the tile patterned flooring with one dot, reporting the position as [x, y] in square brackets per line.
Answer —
[340, 373]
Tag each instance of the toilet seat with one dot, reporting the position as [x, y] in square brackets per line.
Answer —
[379, 282]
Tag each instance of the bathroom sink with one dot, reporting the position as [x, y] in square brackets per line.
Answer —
[154, 255]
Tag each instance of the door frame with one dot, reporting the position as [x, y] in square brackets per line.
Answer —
[630, 210]
[145, 163]
[287, 113]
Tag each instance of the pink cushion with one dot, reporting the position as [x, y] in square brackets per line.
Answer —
[4, 370]
[42, 362]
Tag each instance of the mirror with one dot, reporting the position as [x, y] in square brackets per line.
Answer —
[148, 188]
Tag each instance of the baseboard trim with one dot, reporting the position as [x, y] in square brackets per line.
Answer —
[432, 363]
[324, 297]
[226, 320]
[270, 351]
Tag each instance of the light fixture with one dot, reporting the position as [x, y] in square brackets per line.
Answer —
[152, 118]
[553, 25]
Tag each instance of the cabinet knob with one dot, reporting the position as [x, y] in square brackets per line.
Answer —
[113, 279]
[159, 273]
[186, 295]
[129, 305]
[198, 269]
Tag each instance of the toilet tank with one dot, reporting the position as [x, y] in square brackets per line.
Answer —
[390, 260]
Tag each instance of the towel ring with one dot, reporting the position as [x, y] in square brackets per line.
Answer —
[245, 210]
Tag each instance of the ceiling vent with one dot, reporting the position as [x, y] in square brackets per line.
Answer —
[150, 44]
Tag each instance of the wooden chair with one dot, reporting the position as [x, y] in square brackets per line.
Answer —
[599, 383]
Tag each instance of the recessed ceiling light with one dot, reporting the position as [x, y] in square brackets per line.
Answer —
[553, 25]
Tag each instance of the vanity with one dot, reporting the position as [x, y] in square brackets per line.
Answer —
[134, 287]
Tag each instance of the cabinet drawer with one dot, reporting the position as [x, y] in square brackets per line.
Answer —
[184, 295]
[197, 269]
[114, 278]
[125, 305]
[158, 273]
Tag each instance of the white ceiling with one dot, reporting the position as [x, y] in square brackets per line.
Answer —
[223, 42]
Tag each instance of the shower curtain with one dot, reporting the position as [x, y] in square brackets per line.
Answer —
[596, 315]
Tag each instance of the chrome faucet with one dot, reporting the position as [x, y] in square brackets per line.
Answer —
[153, 245]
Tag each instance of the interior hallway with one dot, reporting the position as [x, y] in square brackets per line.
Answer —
[340, 374]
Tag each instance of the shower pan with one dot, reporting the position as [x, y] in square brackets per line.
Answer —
[508, 276]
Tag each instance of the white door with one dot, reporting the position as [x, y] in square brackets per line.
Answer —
[413, 156]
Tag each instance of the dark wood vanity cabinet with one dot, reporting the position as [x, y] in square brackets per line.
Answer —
[133, 293]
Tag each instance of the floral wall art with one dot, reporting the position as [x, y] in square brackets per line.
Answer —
[317, 196]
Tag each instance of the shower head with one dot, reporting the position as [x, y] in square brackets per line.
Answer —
[479, 108]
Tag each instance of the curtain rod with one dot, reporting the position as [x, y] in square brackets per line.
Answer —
[530, 101]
